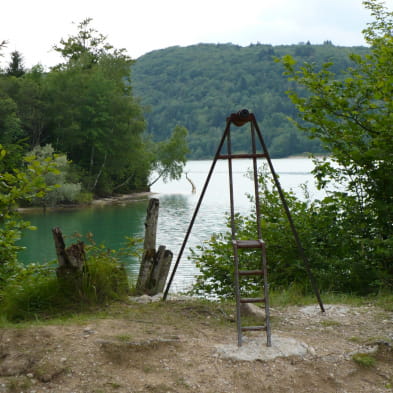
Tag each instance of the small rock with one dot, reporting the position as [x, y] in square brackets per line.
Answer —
[248, 309]
[312, 351]
[256, 349]
[88, 330]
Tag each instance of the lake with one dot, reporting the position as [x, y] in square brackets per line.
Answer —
[110, 224]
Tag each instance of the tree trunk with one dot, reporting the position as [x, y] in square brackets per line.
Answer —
[155, 265]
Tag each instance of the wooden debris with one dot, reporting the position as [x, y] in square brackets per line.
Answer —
[155, 265]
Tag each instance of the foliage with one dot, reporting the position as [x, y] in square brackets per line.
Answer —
[88, 46]
[15, 67]
[34, 291]
[364, 359]
[337, 258]
[96, 119]
[348, 236]
[62, 190]
[351, 114]
[198, 86]
[84, 107]
[170, 156]
[26, 184]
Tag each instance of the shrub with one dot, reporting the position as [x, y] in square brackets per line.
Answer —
[34, 291]
[342, 260]
[364, 359]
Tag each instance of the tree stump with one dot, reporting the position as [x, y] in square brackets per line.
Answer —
[155, 265]
[71, 260]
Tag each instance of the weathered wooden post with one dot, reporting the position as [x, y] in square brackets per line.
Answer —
[155, 265]
[71, 260]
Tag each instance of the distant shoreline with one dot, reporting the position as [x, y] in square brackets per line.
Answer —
[113, 200]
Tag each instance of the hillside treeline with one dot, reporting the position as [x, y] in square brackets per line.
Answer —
[200, 85]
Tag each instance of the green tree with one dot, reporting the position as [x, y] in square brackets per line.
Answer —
[351, 114]
[30, 94]
[347, 236]
[96, 119]
[11, 131]
[86, 47]
[170, 156]
[15, 66]
[3, 44]
[63, 190]
[200, 85]
[16, 186]
[10, 127]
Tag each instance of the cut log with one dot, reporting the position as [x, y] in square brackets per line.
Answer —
[155, 265]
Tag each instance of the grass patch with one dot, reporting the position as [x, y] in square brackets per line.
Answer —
[330, 323]
[296, 296]
[123, 338]
[385, 301]
[292, 296]
[34, 292]
[358, 340]
[18, 384]
[364, 360]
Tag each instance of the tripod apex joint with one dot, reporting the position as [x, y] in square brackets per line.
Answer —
[240, 118]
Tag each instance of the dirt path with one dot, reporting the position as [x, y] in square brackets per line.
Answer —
[171, 347]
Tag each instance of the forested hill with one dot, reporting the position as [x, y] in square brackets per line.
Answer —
[199, 86]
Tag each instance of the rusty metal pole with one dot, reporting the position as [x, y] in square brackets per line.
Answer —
[196, 212]
[289, 216]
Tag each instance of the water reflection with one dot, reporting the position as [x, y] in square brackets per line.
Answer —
[110, 224]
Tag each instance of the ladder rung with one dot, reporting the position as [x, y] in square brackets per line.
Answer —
[244, 155]
[248, 243]
[252, 300]
[249, 328]
[250, 272]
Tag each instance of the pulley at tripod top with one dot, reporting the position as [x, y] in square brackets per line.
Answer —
[240, 118]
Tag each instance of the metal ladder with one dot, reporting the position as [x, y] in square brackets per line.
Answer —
[239, 119]
[258, 244]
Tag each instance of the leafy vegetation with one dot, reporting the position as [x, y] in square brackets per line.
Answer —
[65, 133]
[35, 291]
[85, 109]
[25, 183]
[79, 127]
[348, 235]
[364, 359]
[200, 85]
[63, 189]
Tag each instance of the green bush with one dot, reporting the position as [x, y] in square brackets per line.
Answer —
[342, 258]
[364, 359]
[34, 291]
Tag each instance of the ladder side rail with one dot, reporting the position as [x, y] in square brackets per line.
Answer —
[263, 250]
[267, 301]
[289, 216]
[256, 188]
[196, 210]
[233, 231]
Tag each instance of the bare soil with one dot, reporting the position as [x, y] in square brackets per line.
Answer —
[171, 347]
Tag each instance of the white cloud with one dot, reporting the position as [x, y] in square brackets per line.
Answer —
[33, 27]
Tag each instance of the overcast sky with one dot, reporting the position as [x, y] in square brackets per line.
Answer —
[141, 26]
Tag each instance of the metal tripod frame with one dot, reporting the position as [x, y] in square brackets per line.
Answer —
[239, 119]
